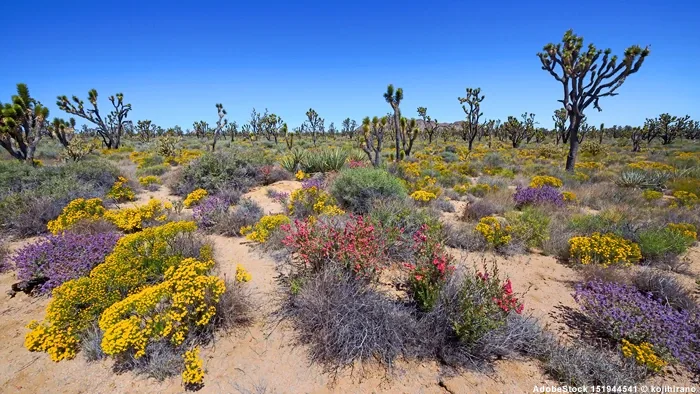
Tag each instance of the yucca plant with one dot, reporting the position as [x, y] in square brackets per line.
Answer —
[324, 160]
[643, 179]
[293, 160]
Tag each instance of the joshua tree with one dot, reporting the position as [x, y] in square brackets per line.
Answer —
[394, 100]
[430, 126]
[640, 134]
[314, 124]
[220, 124]
[409, 133]
[692, 132]
[62, 130]
[332, 130]
[519, 131]
[271, 126]
[671, 127]
[145, 130]
[585, 80]
[560, 129]
[470, 129]
[288, 137]
[232, 130]
[349, 127]
[22, 124]
[111, 129]
[373, 137]
[254, 123]
[201, 129]
[490, 128]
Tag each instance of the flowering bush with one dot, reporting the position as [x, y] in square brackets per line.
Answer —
[312, 200]
[623, 312]
[685, 199]
[484, 304]
[429, 271]
[686, 229]
[261, 231]
[76, 211]
[137, 260]
[423, 196]
[300, 175]
[643, 354]
[651, 166]
[544, 180]
[569, 196]
[185, 300]
[357, 164]
[136, 218]
[121, 191]
[606, 249]
[62, 257]
[356, 245]
[481, 189]
[651, 195]
[149, 180]
[538, 196]
[193, 375]
[280, 197]
[495, 233]
[242, 275]
[209, 212]
[194, 198]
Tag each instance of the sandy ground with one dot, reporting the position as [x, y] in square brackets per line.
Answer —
[261, 358]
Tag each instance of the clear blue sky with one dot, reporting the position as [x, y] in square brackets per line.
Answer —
[175, 61]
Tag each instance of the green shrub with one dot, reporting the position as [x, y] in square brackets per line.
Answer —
[323, 160]
[660, 242]
[689, 185]
[216, 171]
[158, 169]
[531, 226]
[355, 189]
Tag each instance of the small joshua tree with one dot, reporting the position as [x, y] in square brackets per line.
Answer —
[271, 126]
[314, 124]
[200, 129]
[232, 130]
[62, 130]
[470, 129]
[519, 131]
[349, 127]
[560, 129]
[409, 133]
[672, 127]
[111, 129]
[220, 124]
[288, 137]
[585, 80]
[373, 137]
[22, 124]
[145, 129]
[430, 126]
[394, 99]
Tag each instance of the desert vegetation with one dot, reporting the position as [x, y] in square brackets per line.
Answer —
[390, 242]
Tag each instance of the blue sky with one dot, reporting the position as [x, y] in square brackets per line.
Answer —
[175, 61]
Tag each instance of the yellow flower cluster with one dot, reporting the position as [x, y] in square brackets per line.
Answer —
[685, 199]
[300, 175]
[428, 184]
[495, 233]
[139, 158]
[643, 354]
[605, 249]
[133, 219]
[589, 165]
[137, 260]
[461, 189]
[194, 198]
[410, 168]
[651, 195]
[423, 196]
[193, 373]
[186, 299]
[77, 210]
[149, 180]
[313, 199]
[581, 176]
[242, 275]
[120, 191]
[651, 166]
[260, 232]
[185, 156]
[481, 189]
[569, 196]
[545, 180]
[686, 229]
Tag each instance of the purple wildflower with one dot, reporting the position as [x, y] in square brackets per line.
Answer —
[210, 211]
[538, 196]
[313, 182]
[62, 257]
[623, 312]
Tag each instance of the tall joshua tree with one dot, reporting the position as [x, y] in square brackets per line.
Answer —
[586, 77]
[471, 127]
[110, 129]
[394, 99]
[220, 124]
[22, 124]
[62, 130]
[349, 127]
[314, 124]
[373, 138]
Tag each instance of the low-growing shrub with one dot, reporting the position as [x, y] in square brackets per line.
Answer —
[531, 226]
[311, 199]
[260, 231]
[545, 180]
[620, 311]
[544, 195]
[495, 231]
[643, 354]
[685, 199]
[657, 243]
[652, 195]
[63, 257]
[422, 196]
[215, 171]
[355, 188]
[76, 211]
[665, 289]
[194, 198]
[481, 208]
[605, 249]
[428, 270]
[121, 191]
[140, 217]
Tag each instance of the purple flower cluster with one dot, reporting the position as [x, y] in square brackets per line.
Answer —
[210, 211]
[538, 196]
[280, 197]
[313, 182]
[623, 312]
[62, 257]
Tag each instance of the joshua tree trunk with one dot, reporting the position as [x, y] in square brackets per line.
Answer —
[575, 122]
